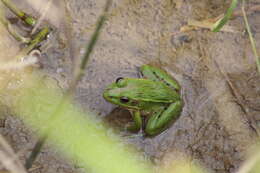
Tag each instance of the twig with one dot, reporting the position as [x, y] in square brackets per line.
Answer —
[19, 13]
[252, 41]
[14, 65]
[39, 37]
[78, 75]
[36, 150]
[249, 10]
[9, 159]
[68, 28]
[43, 14]
[12, 31]
[208, 25]
[250, 163]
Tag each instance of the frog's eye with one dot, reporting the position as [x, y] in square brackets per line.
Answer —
[124, 99]
[119, 79]
[120, 82]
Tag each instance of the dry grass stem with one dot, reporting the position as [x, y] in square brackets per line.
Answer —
[251, 38]
[207, 24]
[9, 159]
[18, 65]
[249, 163]
[43, 14]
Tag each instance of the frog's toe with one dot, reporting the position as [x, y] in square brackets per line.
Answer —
[151, 131]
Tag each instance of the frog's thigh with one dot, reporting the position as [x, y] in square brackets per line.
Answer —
[157, 74]
[160, 121]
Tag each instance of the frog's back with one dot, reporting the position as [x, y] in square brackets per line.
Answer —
[148, 90]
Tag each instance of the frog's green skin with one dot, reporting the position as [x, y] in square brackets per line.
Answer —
[157, 95]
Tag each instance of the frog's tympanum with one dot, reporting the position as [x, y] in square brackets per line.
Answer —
[156, 96]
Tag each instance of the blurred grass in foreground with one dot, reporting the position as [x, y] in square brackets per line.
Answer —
[181, 166]
[76, 134]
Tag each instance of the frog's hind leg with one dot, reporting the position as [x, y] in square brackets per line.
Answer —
[137, 124]
[162, 119]
[157, 74]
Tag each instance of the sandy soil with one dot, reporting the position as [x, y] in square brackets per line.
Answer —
[217, 72]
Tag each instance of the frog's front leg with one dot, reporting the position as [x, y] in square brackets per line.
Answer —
[137, 124]
[157, 74]
[162, 119]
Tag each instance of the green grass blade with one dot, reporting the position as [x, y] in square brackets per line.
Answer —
[221, 22]
[251, 38]
[19, 13]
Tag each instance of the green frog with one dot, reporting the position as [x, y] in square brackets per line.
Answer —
[156, 96]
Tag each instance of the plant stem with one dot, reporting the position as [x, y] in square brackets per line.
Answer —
[220, 23]
[22, 15]
[78, 75]
[251, 38]
[12, 31]
[35, 152]
[40, 36]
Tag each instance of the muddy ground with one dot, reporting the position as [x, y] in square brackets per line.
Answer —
[217, 72]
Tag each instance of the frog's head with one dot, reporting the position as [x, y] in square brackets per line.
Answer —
[139, 94]
[121, 93]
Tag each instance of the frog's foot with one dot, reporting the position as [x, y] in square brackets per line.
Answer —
[140, 135]
[132, 127]
[161, 120]
[137, 124]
